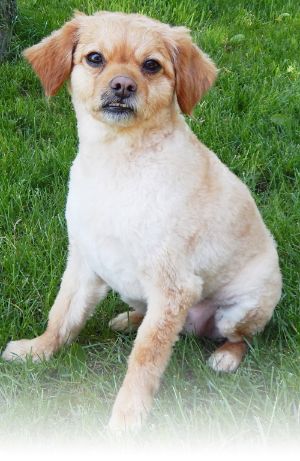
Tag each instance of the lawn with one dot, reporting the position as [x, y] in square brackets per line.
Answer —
[251, 120]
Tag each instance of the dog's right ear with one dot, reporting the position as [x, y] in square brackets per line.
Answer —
[52, 58]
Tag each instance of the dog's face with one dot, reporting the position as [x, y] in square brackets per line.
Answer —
[123, 68]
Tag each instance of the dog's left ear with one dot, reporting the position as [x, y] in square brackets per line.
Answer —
[195, 72]
[52, 58]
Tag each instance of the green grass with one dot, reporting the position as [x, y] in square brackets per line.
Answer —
[251, 120]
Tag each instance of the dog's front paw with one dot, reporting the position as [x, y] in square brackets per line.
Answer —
[37, 349]
[18, 350]
[129, 412]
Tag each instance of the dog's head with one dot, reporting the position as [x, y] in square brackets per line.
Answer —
[123, 68]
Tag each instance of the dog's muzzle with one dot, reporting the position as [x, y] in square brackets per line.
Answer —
[119, 100]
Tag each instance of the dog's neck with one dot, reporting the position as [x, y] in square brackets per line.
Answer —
[94, 134]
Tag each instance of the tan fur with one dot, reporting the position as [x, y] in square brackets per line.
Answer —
[195, 72]
[253, 322]
[237, 349]
[52, 59]
[126, 321]
[228, 356]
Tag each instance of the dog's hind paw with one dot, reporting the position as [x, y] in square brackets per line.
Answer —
[227, 357]
[126, 322]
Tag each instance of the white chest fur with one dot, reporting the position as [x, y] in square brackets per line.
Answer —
[121, 208]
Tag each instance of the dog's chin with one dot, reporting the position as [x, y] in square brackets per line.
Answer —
[118, 114]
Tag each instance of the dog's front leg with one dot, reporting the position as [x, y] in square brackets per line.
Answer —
[79, 293]
[165, 317]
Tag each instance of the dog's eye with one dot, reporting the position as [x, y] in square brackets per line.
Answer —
[95, 59]
[151, 66]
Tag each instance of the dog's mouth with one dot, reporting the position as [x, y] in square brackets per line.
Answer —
[118, 108]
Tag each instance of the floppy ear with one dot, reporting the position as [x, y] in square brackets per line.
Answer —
[195, 72]
[52, 58]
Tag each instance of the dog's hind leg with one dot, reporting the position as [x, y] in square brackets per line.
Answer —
[248, 304]
[79, 293]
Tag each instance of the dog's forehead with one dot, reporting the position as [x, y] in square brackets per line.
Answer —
[118, 33]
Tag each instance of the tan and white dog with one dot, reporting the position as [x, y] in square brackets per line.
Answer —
[151, 212]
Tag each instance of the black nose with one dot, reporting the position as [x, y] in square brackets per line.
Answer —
[123, 87]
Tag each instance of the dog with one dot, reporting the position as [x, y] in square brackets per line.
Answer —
[151, 212]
